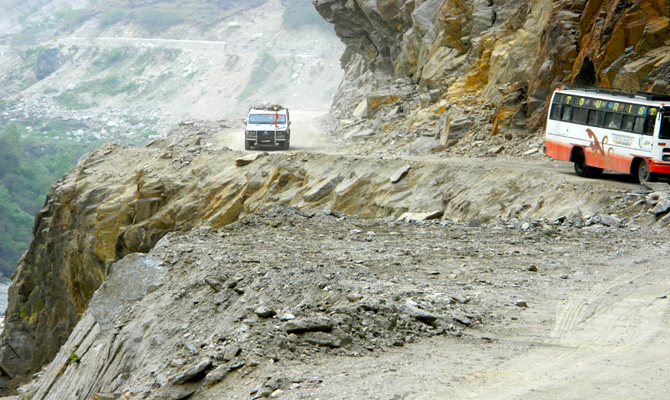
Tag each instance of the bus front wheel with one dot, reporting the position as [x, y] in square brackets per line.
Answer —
[643, 173]
[581, 169]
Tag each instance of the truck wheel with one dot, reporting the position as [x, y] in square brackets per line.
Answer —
[285, 145]
[247, 145]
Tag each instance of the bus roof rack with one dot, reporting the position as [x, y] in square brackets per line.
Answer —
[631, 94]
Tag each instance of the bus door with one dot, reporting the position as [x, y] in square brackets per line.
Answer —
[664, 132]
[644, 126]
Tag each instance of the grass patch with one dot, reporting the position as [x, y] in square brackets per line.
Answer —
[71, 16]
[265, 67]
[71, 101]
[29, 36]
[110, 17]
[157, 20]
[113, 85]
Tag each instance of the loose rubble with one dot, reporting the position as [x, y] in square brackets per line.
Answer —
[254, 296]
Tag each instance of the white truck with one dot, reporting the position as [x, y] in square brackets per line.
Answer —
[268, 125]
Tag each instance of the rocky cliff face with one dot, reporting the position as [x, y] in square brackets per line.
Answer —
[508, 55]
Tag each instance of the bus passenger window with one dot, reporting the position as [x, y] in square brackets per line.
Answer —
[628, 123]
[567, 112]
[639, 125]
[579, 115]
[613, 120]
[556, 111]
[665, 127]
[596, 117]
[649, 126]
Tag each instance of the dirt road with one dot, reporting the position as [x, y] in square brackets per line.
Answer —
[306, 135]
[608, 341]
[599, 335]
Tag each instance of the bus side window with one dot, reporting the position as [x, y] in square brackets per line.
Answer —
[639, 125]
[649, 126]
[567, 113]
[596, 117]
[556, 111]
[613, 120]
[628, 121]
[579, 115]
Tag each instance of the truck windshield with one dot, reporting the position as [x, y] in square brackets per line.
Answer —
[664, 132]
[267, 118]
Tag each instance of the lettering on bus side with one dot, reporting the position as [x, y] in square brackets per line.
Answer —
[622, 140]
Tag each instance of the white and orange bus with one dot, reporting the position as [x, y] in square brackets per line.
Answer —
[599, 129]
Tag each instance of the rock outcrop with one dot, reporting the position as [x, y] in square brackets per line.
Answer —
[510, 55]
[122, 200]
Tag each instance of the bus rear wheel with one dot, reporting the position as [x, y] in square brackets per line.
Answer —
[643, 173]
[583, 170]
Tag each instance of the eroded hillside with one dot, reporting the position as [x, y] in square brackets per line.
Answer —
[271, 304]
[179, 60]
[424, 82]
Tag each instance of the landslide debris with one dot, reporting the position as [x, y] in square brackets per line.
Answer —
[246, 310]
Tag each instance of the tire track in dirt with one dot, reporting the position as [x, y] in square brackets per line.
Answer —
[608, 342]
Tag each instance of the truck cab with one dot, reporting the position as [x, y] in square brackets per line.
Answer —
[268, 125]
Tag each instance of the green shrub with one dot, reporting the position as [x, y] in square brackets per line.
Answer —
[113, 56]
[110, 17]
[156, 20]
[265, 67]
[71, 101]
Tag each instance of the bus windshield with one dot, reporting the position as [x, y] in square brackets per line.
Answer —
[267, 118]
[664, 132]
